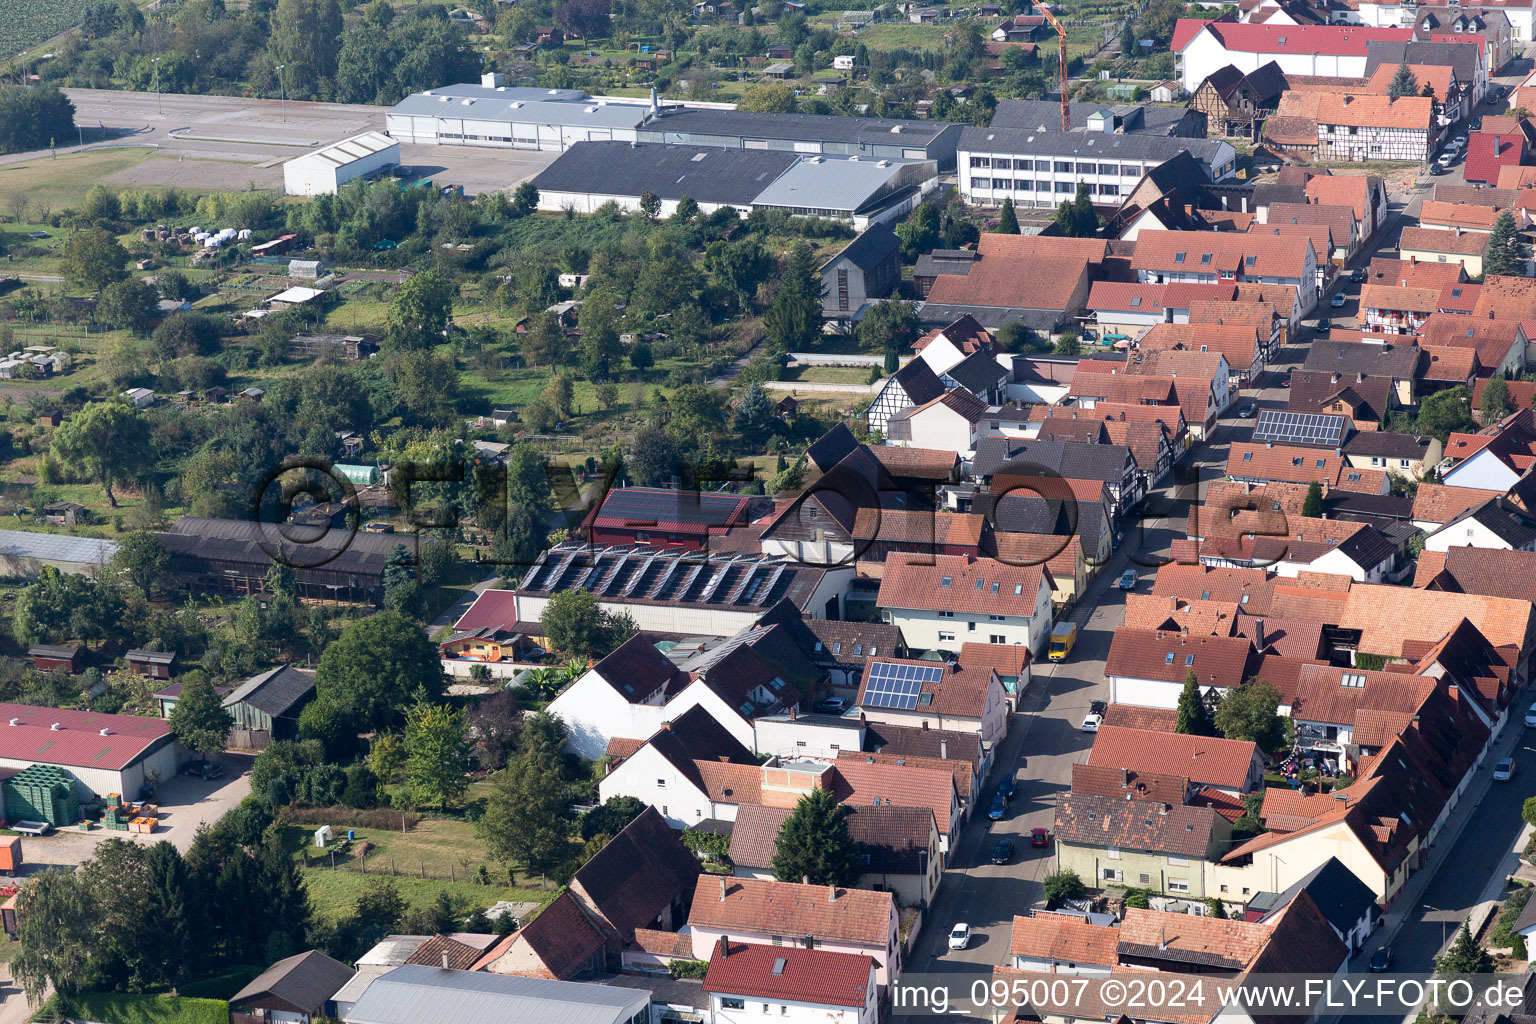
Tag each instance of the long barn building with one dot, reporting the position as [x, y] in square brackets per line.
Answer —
[232, 556]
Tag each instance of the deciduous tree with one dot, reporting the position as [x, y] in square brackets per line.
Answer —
[420, 310]
[1250, 713]
[110, 441]
[199, 720]
[1495, 403]
[436, 753]
[374, 668]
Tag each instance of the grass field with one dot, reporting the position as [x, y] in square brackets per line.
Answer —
[437, 847]
[892, 35]
[65, 180]
[827, 374]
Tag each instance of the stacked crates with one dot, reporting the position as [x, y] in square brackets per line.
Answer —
[115, 816]
[41, 792]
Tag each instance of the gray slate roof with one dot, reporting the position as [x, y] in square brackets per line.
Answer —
[708, 174]
[1046, 114]
[1071, 459]
[304, 981]
[416, 994]
[1460, 57]
[977, 372]
[274, 692]
[869, 249]
[1341, 897]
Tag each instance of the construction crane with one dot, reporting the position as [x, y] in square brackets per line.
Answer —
[1061, 64]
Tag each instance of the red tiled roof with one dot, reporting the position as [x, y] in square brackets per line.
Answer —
[1237, 342]
[492, 609]
[745, 906]
[1335, 40]
[1507, 298]
[1436, 76]
[1020, 271]
[1206, 759]
[977, 585]
[789, 973]
[1441, 240]
[957, 691]
[1321, 695]
[1449, 364]
[1487, 152]
[1463, 215]
[1130, 716]
[1522, 393]
[1059, 937]
[1231, 940]
[1122, 784]
[1227, 251]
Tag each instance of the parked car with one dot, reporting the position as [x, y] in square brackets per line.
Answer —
[960, 936]
[1530, 716]
[1092, 722]
[1357, 276]
[1006, 789]
[1504, 770]
[1447, 158]
[1337, 302]
[1127, 580]
[1247, 410]
[1476, 124]
[1323, 324]
[1381, 960]
[999, 809]
[1002, 853]
[203, 770]
[1285, 381]
[1039, 837]
[831, 706]
[1098, 707]
[1435, 170]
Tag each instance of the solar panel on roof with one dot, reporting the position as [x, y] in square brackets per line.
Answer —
[1305, 428]
[897, 686]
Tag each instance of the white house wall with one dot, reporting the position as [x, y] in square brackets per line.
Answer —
[1483, 471]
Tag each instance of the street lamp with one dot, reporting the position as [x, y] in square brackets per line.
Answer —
[156, 61]
[1443, 936]
[283, 91]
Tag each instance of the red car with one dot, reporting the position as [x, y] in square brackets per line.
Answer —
[1040, 837]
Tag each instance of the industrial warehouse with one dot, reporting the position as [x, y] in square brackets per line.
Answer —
[326, 170]
[554, 120]
[99, 754]
[864, 192]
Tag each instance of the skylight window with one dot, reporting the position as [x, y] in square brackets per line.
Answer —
[1135, 301]
[1178, 257]
[945, 581]
[980, 583]
[994, 587]
[1018, 588]
[1247, 456]
[1205, 259]
[1205, 595]
[1250, 261]
[1189, 659]
[1353, 680]
[1168, 658]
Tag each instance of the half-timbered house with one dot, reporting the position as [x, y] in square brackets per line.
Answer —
[1236, 104]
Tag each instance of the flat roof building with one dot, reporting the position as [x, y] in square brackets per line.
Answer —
[413, 993]
[542, 119]
[864, 192]
[870, 138]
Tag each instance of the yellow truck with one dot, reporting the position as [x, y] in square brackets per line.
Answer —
[1063, 636]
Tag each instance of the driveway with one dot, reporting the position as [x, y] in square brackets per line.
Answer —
[186, 804]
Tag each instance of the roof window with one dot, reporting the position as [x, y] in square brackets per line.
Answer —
[1205, 259]
[1189, 659]
[980, 583]
[1168, 658]
[1135, 301]
[945, 581]
[1178, 257]
[1018, 588]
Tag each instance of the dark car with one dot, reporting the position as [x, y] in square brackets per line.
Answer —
[1246, 410]
[831, 706]
[1435, 170]
[1006, 789]
[1476, 124]
[1098, 707]
[1381, 960]
[1357, 275]
[1323, 324]
[999, 809]
[1002, 853]
[203, 770]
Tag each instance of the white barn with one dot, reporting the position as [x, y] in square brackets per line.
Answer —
[324, 171]
[551, 120]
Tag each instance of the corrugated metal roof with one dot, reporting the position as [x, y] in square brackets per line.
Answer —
[829, 184]
[416, 994]
[477, 103]
[56, 547]
[347, 151]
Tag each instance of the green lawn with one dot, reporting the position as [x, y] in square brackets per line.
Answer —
[827, 374]
[891, 35]
[65, 180]
[437, 847]
[124, 1008]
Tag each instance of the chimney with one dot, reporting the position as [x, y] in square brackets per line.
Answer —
[722, 890]
[925, 725]
[1162, 937]
[831, 894]
[106, 732]
[792, 712]
[445, 959]
[943, 750]
[805, 879]
[55, 727]
[1163, 809]
[725, 946]
[1258, 635]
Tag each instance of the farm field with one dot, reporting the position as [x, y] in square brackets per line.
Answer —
[25, 23]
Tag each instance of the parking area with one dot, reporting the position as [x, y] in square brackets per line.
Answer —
[233, 142]
[185, 805]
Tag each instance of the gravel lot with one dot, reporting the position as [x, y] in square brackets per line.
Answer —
[227, 142]
[185, 804]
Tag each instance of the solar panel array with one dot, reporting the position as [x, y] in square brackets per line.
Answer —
[897, 686]
[1299, 428]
